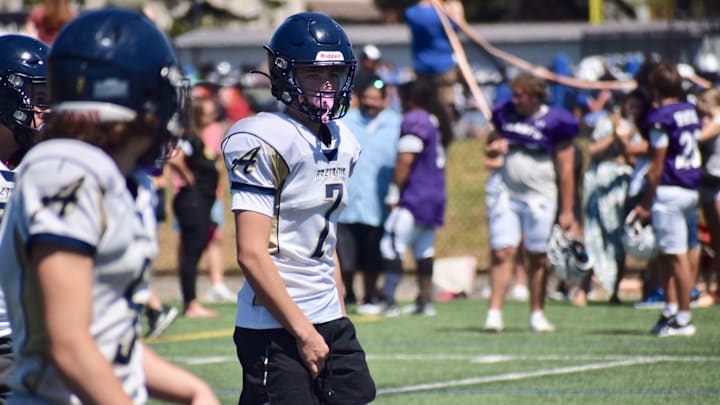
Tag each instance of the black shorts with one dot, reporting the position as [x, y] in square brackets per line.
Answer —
[7, 367]
[358, 247]
[274, 373]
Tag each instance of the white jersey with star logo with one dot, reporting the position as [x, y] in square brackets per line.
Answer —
[278, 168]
[72, 194]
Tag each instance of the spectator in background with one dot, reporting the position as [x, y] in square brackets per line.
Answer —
[47, 18]
[605, 192]
[196, 166]
[560, 93]
[212, 132]
[233, 102]
[538, 173]
[359, 230]
[433, 57]
[367, 70]
[709, 107]
[416, 198]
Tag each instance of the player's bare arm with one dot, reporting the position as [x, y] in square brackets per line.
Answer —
[168, 382]
[253, 232]
[652, 180]
[565, 163]
[67, 302]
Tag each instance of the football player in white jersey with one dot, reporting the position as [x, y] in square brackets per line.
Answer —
[79, 238]
[288, 174]
[22, 102]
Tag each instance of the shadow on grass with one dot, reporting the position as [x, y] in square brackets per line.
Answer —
[619, 332]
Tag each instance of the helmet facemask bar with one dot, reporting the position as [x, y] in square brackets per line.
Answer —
[173, 109]
[24, 100]
[325, 102]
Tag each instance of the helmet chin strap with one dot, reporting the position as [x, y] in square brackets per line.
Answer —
[319, 107]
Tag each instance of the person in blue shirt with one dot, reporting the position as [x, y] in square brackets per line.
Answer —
[360, 225]
[433, 57]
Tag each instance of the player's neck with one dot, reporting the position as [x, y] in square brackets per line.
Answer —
[312, 126]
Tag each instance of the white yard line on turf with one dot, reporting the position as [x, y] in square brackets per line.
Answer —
[515, 376]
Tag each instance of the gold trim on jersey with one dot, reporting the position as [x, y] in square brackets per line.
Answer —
[280, 172]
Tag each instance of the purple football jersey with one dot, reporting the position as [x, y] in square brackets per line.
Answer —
[542, 131]
[424, 191]
[681, 124]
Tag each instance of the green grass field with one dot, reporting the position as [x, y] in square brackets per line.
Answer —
[600, 354]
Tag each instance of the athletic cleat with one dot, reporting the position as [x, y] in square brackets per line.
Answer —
[374, 307]
[655, 300]
[520, 293]
[538, 323]
[220, 293]
[425, 309]
[493, 322]
[159, 321]
[660, 324]
[673, 328]
[391, 311]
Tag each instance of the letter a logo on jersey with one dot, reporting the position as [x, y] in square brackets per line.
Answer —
[248, 160]
[65, 198]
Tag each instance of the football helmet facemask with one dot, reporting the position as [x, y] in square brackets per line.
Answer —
[23, 87]
[638, 239]
[312, 41]
[567, 256]
[114, 65]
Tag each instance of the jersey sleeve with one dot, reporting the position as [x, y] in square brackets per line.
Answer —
[566, 127]
[65, 208]
[255, 170]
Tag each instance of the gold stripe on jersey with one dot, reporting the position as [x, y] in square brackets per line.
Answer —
[280, 172]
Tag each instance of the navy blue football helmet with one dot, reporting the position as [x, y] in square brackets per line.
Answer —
[23, 92]
[115, 65]
[310, 40]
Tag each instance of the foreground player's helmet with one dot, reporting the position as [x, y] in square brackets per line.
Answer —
[22, 86]
[310, 40]
[114, 65]
[638, 239]
[567, 256]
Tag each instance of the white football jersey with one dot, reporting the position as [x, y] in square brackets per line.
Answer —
[71, 193]
[277, 167]
[7, 182]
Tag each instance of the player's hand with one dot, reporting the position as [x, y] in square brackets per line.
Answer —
[567, 223]
[313, 351]
[642, 214]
